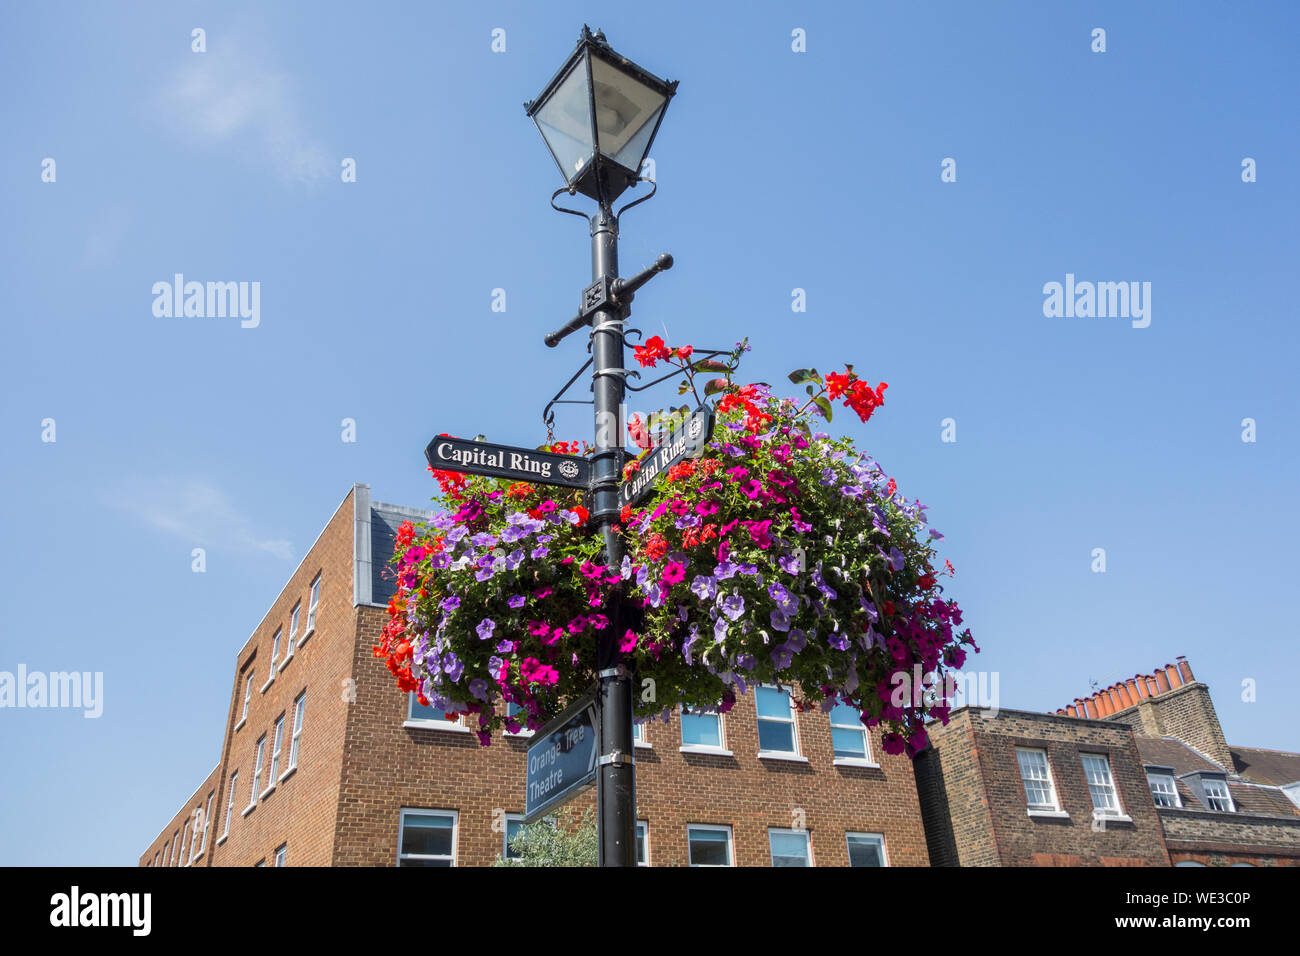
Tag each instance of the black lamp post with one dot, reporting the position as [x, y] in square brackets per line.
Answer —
[599, 115]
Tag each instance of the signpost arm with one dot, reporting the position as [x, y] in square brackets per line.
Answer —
[616, 779]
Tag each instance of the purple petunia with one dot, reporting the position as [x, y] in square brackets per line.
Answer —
[485, 628]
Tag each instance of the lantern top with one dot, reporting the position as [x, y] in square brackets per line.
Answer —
[598, 116]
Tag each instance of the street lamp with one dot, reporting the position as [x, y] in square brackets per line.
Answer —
[598, 116]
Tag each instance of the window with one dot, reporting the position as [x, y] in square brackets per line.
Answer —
[311, 608]
[167, 853]
[1040, 794]
[1105, 799]
[248, 694]
[1217, 796]
[230, 804]
[642, 843]
[257, 771]
[176, 849]
[280, 853]
[639, 738]
[514, 823]
[701, 730]
[866, 849]
[517, 712]
[428, 838]
[1163, 789]
[849, 736]
[776, 733]
[275, 656]
[789, 847]
[419, 715]
[294, 617]
[207, 824]
[709, 846]
[275, 752]
[299, 706]
[185, 845]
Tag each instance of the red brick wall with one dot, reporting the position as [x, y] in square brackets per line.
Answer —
[387, 767]
[1022, 840]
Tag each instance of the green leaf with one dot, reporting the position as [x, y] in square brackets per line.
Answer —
[825, 406]
[710, 365]
[715, 385]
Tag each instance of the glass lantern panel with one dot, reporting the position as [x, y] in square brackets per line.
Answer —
[626, 113]
[565, 122]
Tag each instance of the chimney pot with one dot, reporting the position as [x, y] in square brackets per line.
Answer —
[1175, 679]
[1134, 692]
[1185, 670]
[1162, 682]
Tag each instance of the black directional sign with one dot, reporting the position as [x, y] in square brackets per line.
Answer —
[562, 758]
[687, 442]
[506, 461]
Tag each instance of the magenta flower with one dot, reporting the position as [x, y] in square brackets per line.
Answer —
[674, 573]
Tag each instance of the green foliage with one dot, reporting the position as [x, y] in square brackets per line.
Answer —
[571, 841]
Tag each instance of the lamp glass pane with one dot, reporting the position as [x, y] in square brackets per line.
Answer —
[565, 122]
[626, 113]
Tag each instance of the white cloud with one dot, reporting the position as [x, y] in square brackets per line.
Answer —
[232, 100]
[199, 514]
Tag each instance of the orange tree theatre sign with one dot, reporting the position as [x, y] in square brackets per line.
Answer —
[562, 758]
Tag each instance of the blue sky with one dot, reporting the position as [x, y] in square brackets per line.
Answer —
[777, 170]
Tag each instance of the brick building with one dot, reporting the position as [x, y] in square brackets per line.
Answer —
[1138, 774]
[323, 762]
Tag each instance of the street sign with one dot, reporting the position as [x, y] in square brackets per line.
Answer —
[506, 461]
[562, 758]
[687, 442]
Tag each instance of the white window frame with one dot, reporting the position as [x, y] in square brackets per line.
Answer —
[859, 727]
[436, 723]
[248, 696]
[207, 824]
[642, 840]
[640, 734]
[294, 617]
[720, 750]
[1225, 795]
[185, 843]
[877, 838]
[523, 730]
[1164, 777]
[275, 657]
[176, 849]
[794, 755]
[455, 833]
[281, 854]
[313, 603]
[1052, 809]
[257, 774]
[715, 828]
[230, 807]
[505, 835]
[785, 831]
[167, 853]
[295, 741]
[1106, 786]
[272, 778]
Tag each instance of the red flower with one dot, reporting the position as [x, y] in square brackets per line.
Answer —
[650, 353]
[836, 384]
[640, 435]
[863, 399]
[582, 513]
[684, 352]
[626, 514]
[656, 548]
